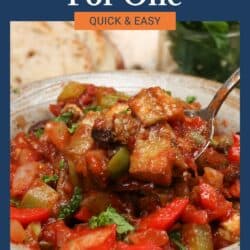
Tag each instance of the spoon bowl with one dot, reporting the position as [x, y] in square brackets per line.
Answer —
[209, 113]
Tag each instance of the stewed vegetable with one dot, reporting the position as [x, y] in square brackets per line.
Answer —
[116, 172]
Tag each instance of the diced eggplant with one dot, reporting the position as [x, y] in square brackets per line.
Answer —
[154, 105]
[154, 155]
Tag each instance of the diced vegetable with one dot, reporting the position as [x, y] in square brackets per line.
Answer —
[96, 239]
[23, 178]
[17, 232]
[70, 208]
[42, 196]
[97, 166]
[164, 218]
[108, 217]
[35, 229]
[80, 141]
[119, 163]
[197, 237]
[72, 90]
[213, 177]
[193, 215]
[28, 215]
[214, 202]
[149, 236]
[58, 134]
[234, 150]
[109, 100]
[153, 156]
[153, 105]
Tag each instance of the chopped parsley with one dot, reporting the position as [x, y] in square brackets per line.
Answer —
[65, 117]
[190, 99]
[62, 164]
[50, 178]
[72, 206]
[94, 108]
[175, 237]
[72, 128]
[39, 132]
[110, 216]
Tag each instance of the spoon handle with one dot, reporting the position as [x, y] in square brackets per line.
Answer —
[222, 93]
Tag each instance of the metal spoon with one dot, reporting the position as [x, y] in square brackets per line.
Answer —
[209, 113]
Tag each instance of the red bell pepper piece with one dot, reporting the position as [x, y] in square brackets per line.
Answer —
[28, 215]
[93, 239]
[193, 215]
[214, 202]
[234, 150]
[164, 218]
[149, 236]
[142, 246]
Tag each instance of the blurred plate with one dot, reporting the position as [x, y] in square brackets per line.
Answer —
[32, 103]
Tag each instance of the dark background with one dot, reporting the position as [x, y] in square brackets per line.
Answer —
[190, 10]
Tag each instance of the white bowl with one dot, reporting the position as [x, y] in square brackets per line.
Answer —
[32, 103]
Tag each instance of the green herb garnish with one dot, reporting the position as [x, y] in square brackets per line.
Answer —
[190, 99]
[50, 178]
[62, 164]
[39, 132]
[110, 216]
[72, 128]
[72, 206]
[65, 117]
[175, 237]
[94, 108]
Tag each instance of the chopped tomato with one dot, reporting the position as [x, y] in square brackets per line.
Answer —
[93, 239]
[214, 202]
[56, 109]
[141, 246]
[23, 178]
[88, 97]
[193, 215]
[149, 236]
[17, 232]
[57, 233]
[235, 189]
[58, 134]
[234, 150]
[164, 218]
[21, 150]
[28, 215]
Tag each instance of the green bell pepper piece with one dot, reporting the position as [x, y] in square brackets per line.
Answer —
[119, 163]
